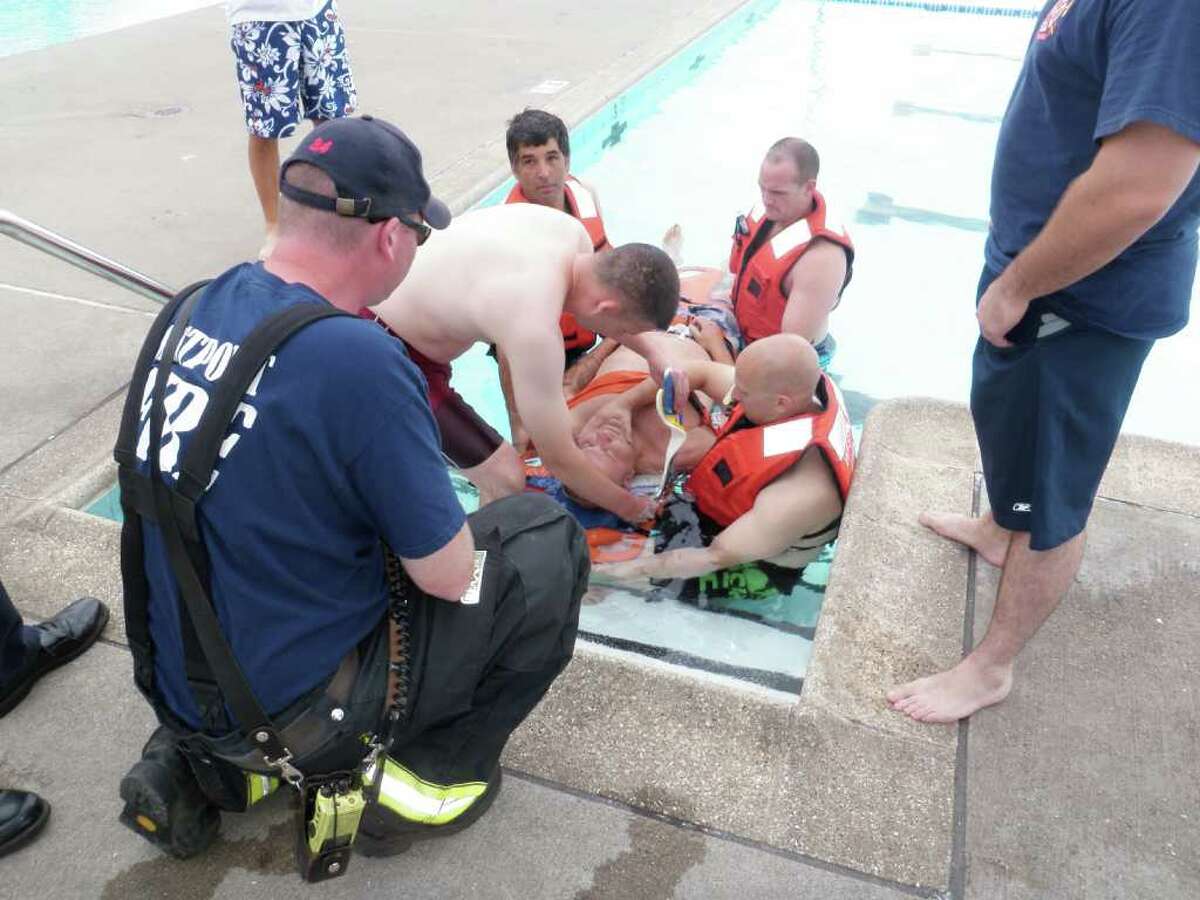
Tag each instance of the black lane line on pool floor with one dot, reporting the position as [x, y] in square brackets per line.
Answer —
[958, 840]
[804, 859]
[774, 680]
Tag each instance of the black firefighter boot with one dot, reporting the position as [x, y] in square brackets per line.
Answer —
[163, 801]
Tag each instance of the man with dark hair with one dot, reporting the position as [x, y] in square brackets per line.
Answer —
[789, 260]
[504, 276]
[1090, 258]
[539, 153]
[27, 652]
[316, 523]
[537, 129]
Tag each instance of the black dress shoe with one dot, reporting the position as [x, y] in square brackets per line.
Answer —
[60, 640]
[22, 816]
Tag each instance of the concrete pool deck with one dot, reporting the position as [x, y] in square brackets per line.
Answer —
[634, 779]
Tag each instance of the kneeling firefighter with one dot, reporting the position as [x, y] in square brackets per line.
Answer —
[304, 598]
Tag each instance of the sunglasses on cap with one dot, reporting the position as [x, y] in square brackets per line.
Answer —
[423, 231]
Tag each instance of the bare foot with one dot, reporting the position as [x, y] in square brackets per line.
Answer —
[981, 534]
[949, 696]
[268, 244]
[672, 243]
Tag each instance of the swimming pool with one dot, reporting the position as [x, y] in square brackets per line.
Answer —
[903, 101]
[33, 24]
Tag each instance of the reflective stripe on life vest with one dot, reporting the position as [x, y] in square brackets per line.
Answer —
[746, 457]
[758, 296]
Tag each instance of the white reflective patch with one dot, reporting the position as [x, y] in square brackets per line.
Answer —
[790, 238]
[470, 596]
[787, 437]
[585, 203]
[841, 438]
[1051, 324]
[841, 435]
[1022, 507]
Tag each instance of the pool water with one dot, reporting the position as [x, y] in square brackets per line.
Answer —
[33, 24]
[904, 106]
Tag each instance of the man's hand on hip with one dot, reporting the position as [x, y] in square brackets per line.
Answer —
[998, 313]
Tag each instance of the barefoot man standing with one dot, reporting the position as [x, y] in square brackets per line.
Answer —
[1091, 257]
[505, 276]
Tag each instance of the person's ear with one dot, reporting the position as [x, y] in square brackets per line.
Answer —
[605, 304]
[389, 238]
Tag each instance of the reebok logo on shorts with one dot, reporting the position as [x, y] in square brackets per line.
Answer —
[1022, 507]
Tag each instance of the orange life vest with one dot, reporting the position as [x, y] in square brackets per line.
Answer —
[758, 297]
[748, 457]
[582, 205]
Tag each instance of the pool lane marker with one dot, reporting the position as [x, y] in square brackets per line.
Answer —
[880, 209]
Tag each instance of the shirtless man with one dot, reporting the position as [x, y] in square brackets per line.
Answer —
[504, 276]
[775, 480]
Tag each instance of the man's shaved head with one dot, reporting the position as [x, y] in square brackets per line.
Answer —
[800, 153]
[776, 377]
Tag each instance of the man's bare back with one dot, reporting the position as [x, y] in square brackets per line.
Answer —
[505, 275]
[492, 271]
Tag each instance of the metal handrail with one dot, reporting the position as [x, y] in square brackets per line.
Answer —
[81, 257]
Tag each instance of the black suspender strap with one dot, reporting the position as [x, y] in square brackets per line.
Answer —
[124, 452]
[201, 456]
[136, 504]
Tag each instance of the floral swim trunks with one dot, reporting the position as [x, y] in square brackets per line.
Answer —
[289, 71]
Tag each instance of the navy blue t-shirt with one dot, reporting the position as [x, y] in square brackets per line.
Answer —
[1093, 68]
[332, 449]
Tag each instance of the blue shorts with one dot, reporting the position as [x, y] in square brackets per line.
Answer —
[289, 71]
[825, 348]
[1047, 414]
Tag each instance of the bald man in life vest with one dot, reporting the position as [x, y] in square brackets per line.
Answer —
[539, 153]
[776, 478]
[790, 262]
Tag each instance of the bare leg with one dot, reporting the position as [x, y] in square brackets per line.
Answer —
[264, 170]
[501, 474]
[1031, 587]
[981, 534]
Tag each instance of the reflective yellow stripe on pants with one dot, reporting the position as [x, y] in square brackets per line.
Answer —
[421, 801]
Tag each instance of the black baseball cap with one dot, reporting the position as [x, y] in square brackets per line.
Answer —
[375, 168]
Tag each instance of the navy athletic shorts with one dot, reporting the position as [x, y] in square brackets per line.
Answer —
[1047, 414]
